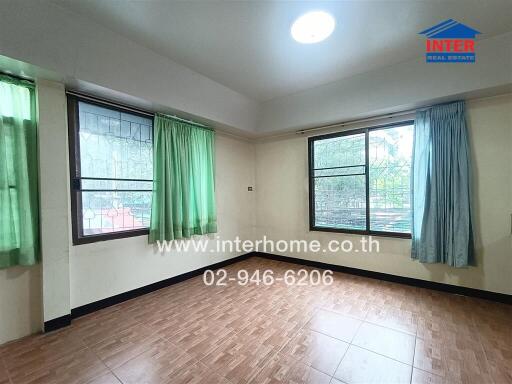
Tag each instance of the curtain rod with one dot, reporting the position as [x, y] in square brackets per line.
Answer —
[364, 120]
[372, 118]
[186, 121]
[16, 77]
[130, 108]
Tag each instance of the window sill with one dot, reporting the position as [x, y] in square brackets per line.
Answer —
[397, 235]
[79, 240]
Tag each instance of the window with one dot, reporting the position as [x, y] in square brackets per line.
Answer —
[360, 181]
[111, 165]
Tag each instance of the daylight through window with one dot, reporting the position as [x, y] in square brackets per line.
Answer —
[360, 180]
[113, 171]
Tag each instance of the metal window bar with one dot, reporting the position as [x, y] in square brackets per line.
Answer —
[110, 133]
[312, 199]
[344, 166]
[116, 190]
[340, 167]
[113, 178]
[348, 174]
[77, 185]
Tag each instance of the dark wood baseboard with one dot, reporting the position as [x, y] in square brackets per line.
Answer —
[455, 289]
[113, 300]
[59, 322]
[64, 321]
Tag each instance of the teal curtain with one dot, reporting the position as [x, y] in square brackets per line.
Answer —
[183, 180]
[441, 187]
[19, 208]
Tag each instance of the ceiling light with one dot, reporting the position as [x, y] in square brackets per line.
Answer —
[313, 27]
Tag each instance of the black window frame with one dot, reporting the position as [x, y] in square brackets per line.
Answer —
[366, 131]
[78, 237]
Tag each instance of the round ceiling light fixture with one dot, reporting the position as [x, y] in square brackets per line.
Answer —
[313, 27]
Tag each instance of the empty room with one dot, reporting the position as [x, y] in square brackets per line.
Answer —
[255, 192]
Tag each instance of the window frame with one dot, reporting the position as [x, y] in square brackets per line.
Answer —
[74, 169]
[366, 131]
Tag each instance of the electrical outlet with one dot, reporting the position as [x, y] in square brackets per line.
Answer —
[249, 189]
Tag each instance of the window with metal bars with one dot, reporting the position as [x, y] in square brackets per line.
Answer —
[111, 165]
[359, 181]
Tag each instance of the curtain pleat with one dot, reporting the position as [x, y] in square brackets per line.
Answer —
[19, 199]
[184, 181]
[441, 187]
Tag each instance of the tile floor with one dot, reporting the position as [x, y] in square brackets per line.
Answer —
[357, 330]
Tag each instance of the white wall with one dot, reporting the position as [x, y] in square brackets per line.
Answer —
[30, 296]
[282, 205]
[491, 132]
[20, 302]
[54, 196]
[48, 36]
[397, 87]
[104, 269]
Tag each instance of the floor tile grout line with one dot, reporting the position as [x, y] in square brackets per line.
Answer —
[342, 314]
[334, 338]
[236, 333]
[341, 381]
[112, 370]
[346, 351]
[428, 372]
[413, 357]
[390, 328]
[330, 336]
[339, 363]
[268, 359]
[442, 376]
[393, 329]
[303, 326]
[350, 343]
[92, 345]
[102, 362]
[117, 377]
[479, 346]
[112, 335]
[380, 354]
[130, 359]
[356, 332]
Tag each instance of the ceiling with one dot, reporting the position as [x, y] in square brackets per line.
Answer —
[247, 47]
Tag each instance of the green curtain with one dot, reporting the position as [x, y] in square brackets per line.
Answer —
[441, 187]
[183, 180]
[19, 201]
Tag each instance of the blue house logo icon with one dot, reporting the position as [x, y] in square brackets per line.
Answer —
[450, 42]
